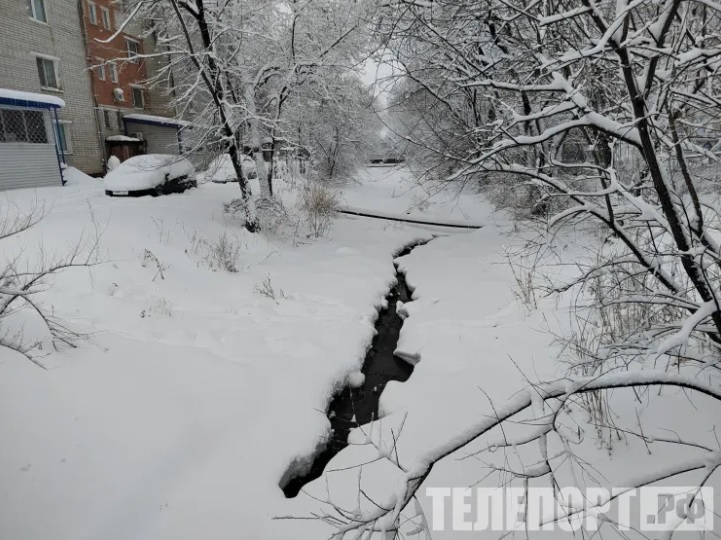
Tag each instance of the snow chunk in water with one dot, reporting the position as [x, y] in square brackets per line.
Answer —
[356, 379]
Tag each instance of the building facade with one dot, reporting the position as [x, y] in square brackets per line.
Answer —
[127, 106]
[29, 140]
[72, 52]
[42, 50]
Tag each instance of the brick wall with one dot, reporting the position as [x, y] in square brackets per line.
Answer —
[22, 38]
[114, 57]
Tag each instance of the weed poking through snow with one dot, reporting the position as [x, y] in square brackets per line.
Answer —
[265, 288]
[219, 254]
[149, 256]
[319, 202]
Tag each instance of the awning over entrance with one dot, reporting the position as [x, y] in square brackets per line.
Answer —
[155, 120]
[30, 140]
[30, 100]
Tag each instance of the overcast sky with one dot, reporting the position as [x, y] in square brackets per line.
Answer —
[377, 74]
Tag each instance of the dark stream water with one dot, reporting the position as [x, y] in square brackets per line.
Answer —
[380, 366]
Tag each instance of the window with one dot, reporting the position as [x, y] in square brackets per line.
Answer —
[138, 97]
[133, 50]
[22, 126]
[113, 72]
[36, 8]
[105, 13]
[48, 72]
[106, 118]
[92, 13]
[65, 142]
[100, 69]
[35, 123]
[119, 118]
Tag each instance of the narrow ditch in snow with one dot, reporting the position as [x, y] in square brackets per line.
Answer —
[358, 406]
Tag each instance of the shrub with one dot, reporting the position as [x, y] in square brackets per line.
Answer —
[319, 202]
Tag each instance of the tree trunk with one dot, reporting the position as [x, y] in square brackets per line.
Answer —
[210, 73]
[260, 164]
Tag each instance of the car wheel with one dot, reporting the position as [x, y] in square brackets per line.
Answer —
[158, 191]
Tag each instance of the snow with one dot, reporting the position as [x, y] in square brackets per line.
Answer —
[113, 163]
[147, 172]
[121, 138]
[74, 177]
[476, 350]
[221, 169]
[180, 415]
[356, 379]
[32, 97]
[163, 120]
[395, 192]
[195, 393]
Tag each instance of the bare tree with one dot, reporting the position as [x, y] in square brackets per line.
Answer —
[546, 407]
[196, 40]
[601, 111]
[234, 69]
[22, 281]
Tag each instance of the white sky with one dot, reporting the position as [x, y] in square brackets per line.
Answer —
[377, 74]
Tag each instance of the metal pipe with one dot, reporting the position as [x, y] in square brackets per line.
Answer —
[409, 220]
[57, 148]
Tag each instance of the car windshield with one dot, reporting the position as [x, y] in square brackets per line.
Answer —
[146, 163]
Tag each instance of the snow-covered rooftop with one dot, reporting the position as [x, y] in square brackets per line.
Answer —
[29, 99]
[123, 138]
[152, 119]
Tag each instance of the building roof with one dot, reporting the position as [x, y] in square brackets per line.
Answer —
[121, 138]
[29, 99]
[154, 120]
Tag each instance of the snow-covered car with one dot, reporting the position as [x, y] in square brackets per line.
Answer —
[150, 174]
[221, 169]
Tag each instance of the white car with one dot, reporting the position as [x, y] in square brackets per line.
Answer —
[221, 169]
[150, 174]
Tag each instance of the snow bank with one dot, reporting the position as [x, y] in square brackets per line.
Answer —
[74, 177]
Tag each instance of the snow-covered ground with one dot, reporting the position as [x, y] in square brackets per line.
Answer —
[195, 392]
[476, 345]
[395, 190]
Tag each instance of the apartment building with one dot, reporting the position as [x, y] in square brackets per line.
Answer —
[74, 89]
[133, 116]
[42, 54]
